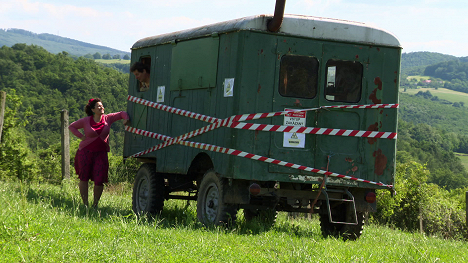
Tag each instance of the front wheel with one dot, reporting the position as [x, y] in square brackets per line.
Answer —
[211, 209]
[148, 191]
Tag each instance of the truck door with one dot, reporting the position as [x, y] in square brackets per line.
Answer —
[297, 81]
[343, 66]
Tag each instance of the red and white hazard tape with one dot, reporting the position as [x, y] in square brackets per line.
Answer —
[172, 109]
[235, 121]
[311, 130]
[247, 155]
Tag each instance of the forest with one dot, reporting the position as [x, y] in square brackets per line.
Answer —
[39, 85]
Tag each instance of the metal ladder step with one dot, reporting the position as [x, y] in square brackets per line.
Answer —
[350, 204]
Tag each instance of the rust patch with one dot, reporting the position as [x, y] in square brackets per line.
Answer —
[259, 88]
[373, 127]
[357, 56]
[378, 82]
[298, 102]
[380, 162]
[353, 168]
[256, 133]
[378, 49]
[381, 111]
[373, 96]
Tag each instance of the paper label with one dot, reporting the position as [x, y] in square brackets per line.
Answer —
[292, 139]
[161, 92]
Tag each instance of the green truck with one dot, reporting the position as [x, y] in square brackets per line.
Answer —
[267, 113]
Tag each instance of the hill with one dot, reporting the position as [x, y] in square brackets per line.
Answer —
[418, 59]
[53, 43]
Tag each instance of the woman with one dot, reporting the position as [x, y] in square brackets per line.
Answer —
[91, 162]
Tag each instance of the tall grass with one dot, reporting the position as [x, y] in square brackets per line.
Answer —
[48, 223]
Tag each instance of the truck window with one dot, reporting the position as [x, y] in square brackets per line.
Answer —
[298, 76]
[143, 83]
[344, 81]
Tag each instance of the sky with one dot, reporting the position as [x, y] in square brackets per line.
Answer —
[420, 25]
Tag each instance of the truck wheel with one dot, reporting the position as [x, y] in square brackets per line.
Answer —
[211, 209]
[347, 232]
[267, 216]
[148, 191]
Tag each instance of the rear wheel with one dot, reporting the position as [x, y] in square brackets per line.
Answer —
[148, 191]
[211, 209]
[345, 231]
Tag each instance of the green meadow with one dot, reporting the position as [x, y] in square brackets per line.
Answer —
[112, 61]
[446, 94]
[48, 223]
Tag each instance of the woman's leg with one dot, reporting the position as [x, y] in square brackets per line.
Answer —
[97, 194]
[84, 191]
[100, 175]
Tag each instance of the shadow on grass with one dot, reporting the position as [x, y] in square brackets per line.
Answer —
[173, 215]
[67, 203]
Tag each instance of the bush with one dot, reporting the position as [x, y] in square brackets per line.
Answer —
[418, 205]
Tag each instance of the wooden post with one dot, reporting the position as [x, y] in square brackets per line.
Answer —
[65, 145]
[2, 111]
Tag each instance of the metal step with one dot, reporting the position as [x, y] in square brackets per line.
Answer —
[349, 200]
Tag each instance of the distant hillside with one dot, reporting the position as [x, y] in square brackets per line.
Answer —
[53, 43]
[417, 59]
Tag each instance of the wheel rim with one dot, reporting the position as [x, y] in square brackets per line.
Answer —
[143, 194]
[211, 203]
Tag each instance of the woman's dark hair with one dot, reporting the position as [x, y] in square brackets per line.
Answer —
[91, 104]
[140, 66]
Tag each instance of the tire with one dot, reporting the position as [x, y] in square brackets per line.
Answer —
[148, 191]
[344, 231]
[266, 216]
[211, 209]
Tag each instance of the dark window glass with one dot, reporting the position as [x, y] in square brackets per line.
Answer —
[344, 81]
[298, 76]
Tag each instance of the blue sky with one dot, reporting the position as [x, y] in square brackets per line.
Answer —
[421, 25]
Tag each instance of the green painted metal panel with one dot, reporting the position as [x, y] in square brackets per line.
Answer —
[280, 147]
[194, 63]
[253, 60]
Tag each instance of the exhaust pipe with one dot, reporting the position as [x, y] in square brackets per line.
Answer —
[275, 23]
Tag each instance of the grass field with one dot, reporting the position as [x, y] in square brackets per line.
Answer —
[464, 159]
[112, 61]
[446, 94]
[47, 223]
[418, 77]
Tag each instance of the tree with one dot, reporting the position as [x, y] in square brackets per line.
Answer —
[126, 57]
[106, 56]
[117, 56]
[88, 56]
[14, 151]
[97, 55]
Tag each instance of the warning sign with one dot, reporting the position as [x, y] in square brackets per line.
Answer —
[294, 118]
[161, 91]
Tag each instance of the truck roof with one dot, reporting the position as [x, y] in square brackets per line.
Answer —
[296, 25]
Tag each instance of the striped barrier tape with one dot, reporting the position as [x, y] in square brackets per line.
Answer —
[214, 148]
[235, 121]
